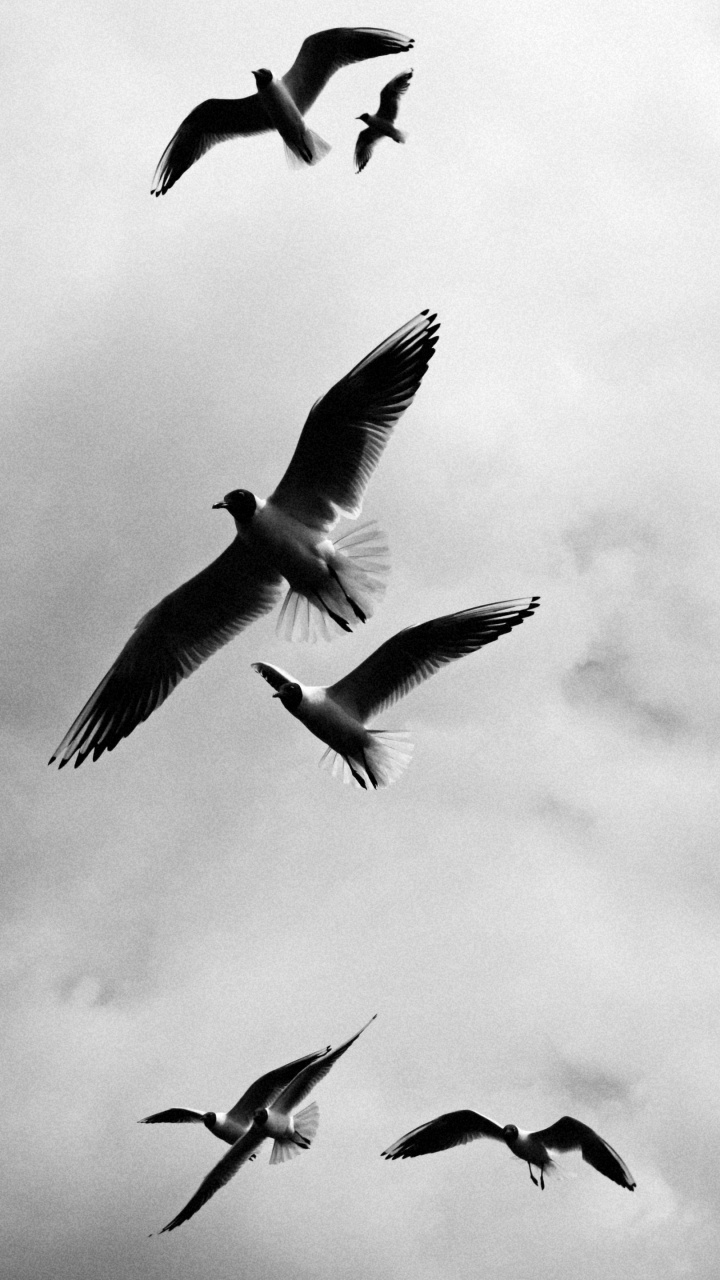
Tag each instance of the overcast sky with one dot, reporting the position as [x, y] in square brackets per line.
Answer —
[533, 909]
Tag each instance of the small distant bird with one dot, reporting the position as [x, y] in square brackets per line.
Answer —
[382, 124]
[338, 714]
[235, 1123]
[278, 104]
[283, 538]
[457, 1127]
[275, 1116]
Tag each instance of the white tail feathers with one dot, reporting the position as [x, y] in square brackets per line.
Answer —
[386, 756]
[358, 564]
[308, 148]
[306, 1126]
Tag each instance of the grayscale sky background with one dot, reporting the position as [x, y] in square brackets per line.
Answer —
[533, 909]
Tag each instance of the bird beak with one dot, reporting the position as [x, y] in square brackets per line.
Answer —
[276, 695]
[217, 505]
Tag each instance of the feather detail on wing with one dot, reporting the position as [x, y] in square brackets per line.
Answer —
[213, 121]
[266, 1089]
[238, 1155]
[415, 654]
[175, 1115]
[391, 95]
[568, 1134]
[305, 1080]
[325, 52]
[348, 428]
[168, 644]
[364, 147]
[449, 1130]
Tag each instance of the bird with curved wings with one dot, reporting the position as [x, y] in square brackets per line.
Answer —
[278, 104]
[292, 1130]
[281, 540]
[382, 124]
[338, 713]
[567, 1134]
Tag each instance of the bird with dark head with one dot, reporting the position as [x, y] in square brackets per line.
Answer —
[241, 503]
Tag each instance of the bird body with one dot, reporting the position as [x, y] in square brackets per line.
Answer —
[277, 1117]
[382, 123]
[284, 539]
[278, 104]
[567, 1134]
[302, 143]
[338, 714]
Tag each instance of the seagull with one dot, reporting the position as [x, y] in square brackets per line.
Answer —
[278, 104]
[275, 1116]
[235, 1123]
[280, 540]
[338, 714]
[567, 1134]
[382, 124]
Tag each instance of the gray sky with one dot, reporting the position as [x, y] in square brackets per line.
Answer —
[533, 909]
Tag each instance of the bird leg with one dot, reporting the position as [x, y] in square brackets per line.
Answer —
[345, 626]
[362, 617]
[369, 772]
[542, 1180]
[358, 777]
[532, 1175]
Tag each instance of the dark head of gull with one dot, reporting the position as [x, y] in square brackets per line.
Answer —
[263, 77]
[210, 1120]
[260, 1117]
[364, 117]
[290, 695]
[240, 503]
[510, 1133]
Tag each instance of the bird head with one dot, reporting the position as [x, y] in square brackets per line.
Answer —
[510, 1132]
[260, 1117]
[240, 503]
[290, 694]
[364, 117]
[263, 77]
[210, 1120]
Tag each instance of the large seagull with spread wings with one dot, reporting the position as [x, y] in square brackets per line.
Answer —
[280, 540]
[278, 104]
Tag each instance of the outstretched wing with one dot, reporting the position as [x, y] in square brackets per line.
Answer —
[168, 644]
[305, 1080]
[212, 121]
[415, 654]
[364, 147]
[325, 52]
[348, 428]
[568, 1134]
[450, 1130]
[175, 1115]
[265, 1090]
[391, 95]
[239, 1153]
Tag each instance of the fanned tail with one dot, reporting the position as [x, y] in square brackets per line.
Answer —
[386, 756]
[306, 1126]
[358, 565]
[310, 148]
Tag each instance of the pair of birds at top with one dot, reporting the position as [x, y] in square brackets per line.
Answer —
[284, 541]
[282, 104]
[269, 1109]
[332, 585]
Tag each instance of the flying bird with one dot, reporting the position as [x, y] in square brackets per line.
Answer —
[275, 1117]
[235, 1123]
[338, 714]
[567, 1134]
[278, 104]
[280, 540]
[382, 124]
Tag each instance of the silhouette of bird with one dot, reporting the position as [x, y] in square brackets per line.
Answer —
[292, 1130]
[567, 1134]
[235, 1123]
[332, 585]
[338, 714]
[278, 104]
[382, 124]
